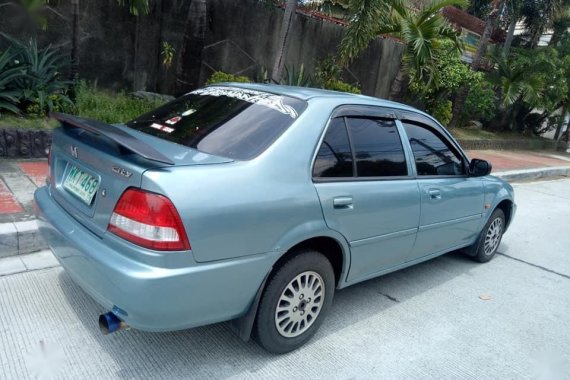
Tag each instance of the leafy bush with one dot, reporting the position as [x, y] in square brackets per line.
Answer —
[449, 75]
[327, 70]
[338, 85]
[38, 89]
[442, 111]
[328, 76]
[94, 103]
[480, 103]
[220, 76]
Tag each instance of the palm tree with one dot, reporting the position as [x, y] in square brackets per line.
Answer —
[418, 29]
[284, 39]
[516, 82]
[538, 16]
[560, 26]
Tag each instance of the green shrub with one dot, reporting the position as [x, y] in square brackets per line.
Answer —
[338, 85]
[327, 69]
[220, 76]
[480, 103]
[94, 103]
[442, 111]
[449, 75]
[328, 76]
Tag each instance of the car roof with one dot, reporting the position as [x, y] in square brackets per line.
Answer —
[307, 93]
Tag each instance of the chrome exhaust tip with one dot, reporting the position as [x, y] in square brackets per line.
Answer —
[109, 323]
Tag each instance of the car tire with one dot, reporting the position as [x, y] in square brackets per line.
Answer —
[295, 302]
[490, 238]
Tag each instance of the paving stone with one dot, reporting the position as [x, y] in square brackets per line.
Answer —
[21, 187]
[29, 237]
[8, 203]
[39, 260]
[11, 265]
[8, 239]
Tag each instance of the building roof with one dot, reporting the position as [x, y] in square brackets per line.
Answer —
[464, 20]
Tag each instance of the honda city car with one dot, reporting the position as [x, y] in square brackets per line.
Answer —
[255, 203]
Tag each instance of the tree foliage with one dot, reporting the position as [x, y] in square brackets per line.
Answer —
[418, 29]
[449, 75]
[480, 103]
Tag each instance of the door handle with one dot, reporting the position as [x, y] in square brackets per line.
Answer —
[342, 202]
[434, 193]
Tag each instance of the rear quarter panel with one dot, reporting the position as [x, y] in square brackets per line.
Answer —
[243, 208]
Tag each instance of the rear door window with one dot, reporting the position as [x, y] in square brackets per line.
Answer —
[334, 158]
[377, 147]
[224, 121]
[361, 147]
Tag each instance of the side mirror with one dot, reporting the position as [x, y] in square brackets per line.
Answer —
[479, 168]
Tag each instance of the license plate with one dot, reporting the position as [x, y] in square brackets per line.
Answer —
[82, 185]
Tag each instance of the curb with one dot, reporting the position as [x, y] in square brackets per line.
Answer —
[20, 238]
[529, 174]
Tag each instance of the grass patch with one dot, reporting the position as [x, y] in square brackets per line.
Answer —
[27, 122]
[91, 103]
[109, 107]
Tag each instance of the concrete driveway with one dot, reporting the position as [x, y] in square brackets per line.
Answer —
[447, 318]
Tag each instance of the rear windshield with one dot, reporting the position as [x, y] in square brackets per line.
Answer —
[224, 121]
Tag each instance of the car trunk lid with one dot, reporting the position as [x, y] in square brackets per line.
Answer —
[93, 163]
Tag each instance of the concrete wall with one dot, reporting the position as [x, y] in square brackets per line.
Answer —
[119, 50]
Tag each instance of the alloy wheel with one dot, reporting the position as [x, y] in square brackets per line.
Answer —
[299, 304]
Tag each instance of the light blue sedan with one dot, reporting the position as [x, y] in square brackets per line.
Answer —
[254, 203]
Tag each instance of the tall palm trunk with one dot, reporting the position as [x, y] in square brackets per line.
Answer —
[74, 69]
[491, 24]
[284, 40]
[510, 36]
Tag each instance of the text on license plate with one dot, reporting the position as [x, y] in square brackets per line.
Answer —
[81, 184]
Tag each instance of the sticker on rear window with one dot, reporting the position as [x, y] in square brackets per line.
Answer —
[173, 120]
[272, 101]
[161, 127]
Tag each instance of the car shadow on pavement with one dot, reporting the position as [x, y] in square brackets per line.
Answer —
[216, 351]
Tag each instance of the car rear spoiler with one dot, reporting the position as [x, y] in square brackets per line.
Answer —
[113, 133]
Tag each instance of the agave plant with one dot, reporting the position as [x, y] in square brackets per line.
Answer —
[10, 72]
[39, 87]
[294, 77]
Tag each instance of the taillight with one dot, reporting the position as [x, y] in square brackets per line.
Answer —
[149, 220]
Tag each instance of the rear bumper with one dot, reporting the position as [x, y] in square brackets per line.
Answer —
[150, 297]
